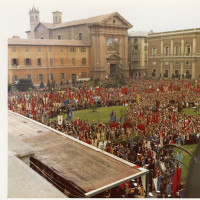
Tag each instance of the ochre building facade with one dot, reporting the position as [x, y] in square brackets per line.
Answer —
[174, 54]
[43, 60]
[106, 35]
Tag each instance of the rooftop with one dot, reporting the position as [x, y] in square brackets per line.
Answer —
[23, 182]
[90, 168]
[47, 42]
[138, 34]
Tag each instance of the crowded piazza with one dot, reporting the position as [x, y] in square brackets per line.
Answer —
[154, 117]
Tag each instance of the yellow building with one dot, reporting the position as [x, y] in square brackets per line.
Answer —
[43, 60]
[174, 54]
[138, 54]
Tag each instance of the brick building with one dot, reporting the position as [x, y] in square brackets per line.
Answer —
[174, 54]
[43, 60]
[105, 35]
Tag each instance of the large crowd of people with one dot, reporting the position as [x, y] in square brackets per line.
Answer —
[154, 117]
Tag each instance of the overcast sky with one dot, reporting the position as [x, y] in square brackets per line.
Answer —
[144, 15]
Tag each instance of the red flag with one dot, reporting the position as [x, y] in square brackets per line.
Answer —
[148, 120]
[174, 118]
[179, 177]
[154, 118]
[174, 184]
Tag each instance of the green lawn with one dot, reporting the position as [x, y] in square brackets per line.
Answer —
[191, 111]
[186, 159]
[101, 114]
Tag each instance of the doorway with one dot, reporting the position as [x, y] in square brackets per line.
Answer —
[112, 69]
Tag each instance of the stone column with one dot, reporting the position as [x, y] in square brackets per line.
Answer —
[171, 69]
[182, 46]
[172, 47]
[193, 70]
[161, 68]
[181, 69]
[161, 48]
[194, 46]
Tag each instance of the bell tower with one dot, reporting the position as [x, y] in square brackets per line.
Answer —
[57, 17]
[34, 20]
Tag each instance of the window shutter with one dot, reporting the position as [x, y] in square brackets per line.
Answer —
[25, 62]
[64, 75]
[30, 62]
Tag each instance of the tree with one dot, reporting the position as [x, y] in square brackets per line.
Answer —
[41, 84]
[94, 107]
[53, 84]
[48, 84]
[118, 78]
[61, 82]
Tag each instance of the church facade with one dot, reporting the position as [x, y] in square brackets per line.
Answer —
[105, 35]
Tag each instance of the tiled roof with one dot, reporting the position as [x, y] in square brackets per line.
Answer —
[19, 41]
[97, 19]
[139, 34]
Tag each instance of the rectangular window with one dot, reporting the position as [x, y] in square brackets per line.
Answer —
[135, 40]
[187, 63]
[188, 50]
[166, 50]
[15, 78]
[154, 51]
[50, 49]
[40, 77]
[136, 47]
[27, 62]
[39, 49]
[59, 37]
[15, 62]
[14, 49]
[166, 74]
[135, 63]
[62, 76]
[51, 61]
[73, 61]
[80, 36]
[61, 49]
[29, 76]
[51, 77]
[83, 49]
[62, 61]
[83, 61]
[177, 50]
[154, 73]
[39, 61]
[73, 49]
[145, 40]
[27, 49]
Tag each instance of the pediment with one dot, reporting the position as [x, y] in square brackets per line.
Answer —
[113, 57]
[116, 20]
